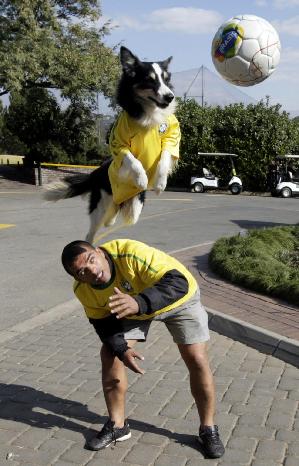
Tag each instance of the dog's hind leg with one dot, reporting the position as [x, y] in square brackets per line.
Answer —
[131, 209]
[111, 214]
[104, 214]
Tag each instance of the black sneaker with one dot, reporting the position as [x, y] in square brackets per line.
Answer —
[210, 441]
[108, 435]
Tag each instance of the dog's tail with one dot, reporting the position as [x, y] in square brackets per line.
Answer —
[80, 184]
[70, 186]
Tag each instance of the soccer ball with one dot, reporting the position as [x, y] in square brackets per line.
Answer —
[246, 50]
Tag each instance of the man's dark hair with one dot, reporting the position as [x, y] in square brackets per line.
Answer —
[71, 251]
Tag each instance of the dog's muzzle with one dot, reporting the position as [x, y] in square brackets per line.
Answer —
[165, 100]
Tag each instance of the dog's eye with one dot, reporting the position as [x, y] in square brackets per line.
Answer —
[166, 77]
[150, 79]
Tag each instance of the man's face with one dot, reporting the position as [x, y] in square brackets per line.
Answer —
[91, 267]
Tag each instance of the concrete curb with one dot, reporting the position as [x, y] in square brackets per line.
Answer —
[54, 313]
[259, 338]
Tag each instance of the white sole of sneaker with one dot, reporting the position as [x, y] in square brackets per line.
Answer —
[121, 439]
[125, 437]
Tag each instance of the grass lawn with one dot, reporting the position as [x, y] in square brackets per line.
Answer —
[265, 260]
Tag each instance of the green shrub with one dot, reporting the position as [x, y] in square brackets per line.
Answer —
[265, 261]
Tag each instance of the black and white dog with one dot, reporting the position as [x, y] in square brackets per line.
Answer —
[144, 145]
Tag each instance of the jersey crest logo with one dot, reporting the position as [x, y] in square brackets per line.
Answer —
[126, 285]
[163, 127]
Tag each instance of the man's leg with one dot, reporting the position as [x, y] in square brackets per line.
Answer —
[115, 384]
[203, 391]
[201, 380]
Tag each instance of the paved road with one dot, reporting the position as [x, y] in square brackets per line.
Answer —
[32, 279]
[50, 392]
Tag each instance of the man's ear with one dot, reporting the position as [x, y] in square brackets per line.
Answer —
[129, 62]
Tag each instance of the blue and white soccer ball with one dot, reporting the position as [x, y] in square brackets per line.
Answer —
[246, 50]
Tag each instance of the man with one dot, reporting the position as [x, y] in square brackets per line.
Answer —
[124, 285]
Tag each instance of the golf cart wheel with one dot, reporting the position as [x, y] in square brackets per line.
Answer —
[286, 192]
[198, 187]
[235, 188]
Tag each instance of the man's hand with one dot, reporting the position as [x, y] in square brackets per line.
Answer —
[129, 360]
[123, 304]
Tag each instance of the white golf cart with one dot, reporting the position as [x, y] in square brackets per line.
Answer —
[207, 180]
[287, 181]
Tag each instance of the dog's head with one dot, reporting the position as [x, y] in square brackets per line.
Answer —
[146, 82]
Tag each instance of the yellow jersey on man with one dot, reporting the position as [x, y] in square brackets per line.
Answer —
[156, 280]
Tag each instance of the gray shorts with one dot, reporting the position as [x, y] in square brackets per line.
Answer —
[188, 323]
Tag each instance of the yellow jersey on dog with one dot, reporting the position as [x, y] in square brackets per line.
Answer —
[146, 144]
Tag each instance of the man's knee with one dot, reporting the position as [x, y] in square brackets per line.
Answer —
[195, 356]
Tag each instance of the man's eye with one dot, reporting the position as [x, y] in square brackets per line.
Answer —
[81, 273]
[91, 260]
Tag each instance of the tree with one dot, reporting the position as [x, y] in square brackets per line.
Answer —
[77, 133]
[196, 124]
[33, 118]
[55, 45]
[1, 126]
[49, 134]
[256, 133]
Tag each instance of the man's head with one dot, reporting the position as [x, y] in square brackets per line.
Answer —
[86, 263]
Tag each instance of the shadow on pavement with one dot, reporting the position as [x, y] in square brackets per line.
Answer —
[247, 224]
[36, 408]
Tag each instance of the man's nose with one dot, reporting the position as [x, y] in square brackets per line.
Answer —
[91, 271]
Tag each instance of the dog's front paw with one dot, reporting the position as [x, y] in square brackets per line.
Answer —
[141, 180]
[160, 184]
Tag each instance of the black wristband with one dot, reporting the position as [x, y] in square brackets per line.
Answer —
[119, 350]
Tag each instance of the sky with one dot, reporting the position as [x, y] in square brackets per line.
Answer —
[157, 29]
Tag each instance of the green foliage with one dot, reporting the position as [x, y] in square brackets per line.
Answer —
[49, 134]
[197, 135]
[77, 132]
[256, 133]
[1, 126]
[265, 261]
[32, 117]
[9, 143]
[56, 45]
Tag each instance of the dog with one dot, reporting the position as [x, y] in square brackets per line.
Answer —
[144, 146]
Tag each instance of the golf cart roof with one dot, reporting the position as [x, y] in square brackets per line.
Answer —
[218, 154]
[288, 156]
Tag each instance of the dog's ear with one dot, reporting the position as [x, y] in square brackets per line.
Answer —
[165, 63]
[128, 61]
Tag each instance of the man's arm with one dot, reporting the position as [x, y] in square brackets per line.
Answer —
[170, 288]
[111, 334]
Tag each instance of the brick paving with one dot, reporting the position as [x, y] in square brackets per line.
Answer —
[51, 401]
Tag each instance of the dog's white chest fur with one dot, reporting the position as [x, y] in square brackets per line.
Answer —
[154, 115]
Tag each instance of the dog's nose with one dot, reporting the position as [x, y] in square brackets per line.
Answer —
[168, 98]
